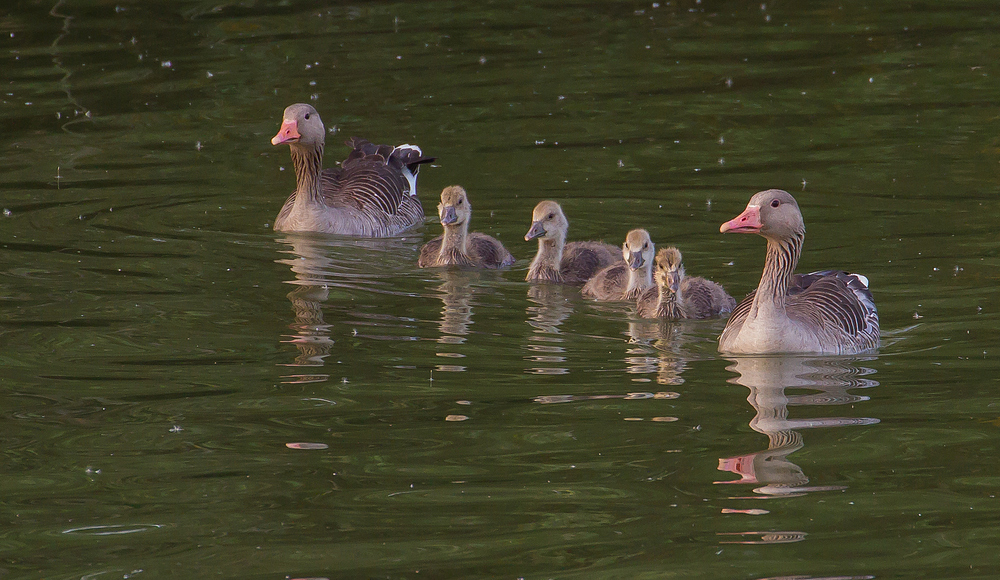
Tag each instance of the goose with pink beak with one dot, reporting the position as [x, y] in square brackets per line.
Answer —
[823, 312]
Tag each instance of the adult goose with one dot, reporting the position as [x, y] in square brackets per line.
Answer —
[677, 296]
[628, 277]
[827, 312]
[372, 194]
[458, 247]
[557, 261]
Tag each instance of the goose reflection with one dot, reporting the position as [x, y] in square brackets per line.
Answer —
[551, 305]
[319, 264]
[828, 379]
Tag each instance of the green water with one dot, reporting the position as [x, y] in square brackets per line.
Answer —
[161, 347]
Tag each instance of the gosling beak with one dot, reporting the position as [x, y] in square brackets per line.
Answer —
[537, 229]
[448, 215]
[674, 281]
[635, 260]
[288, 133]
[747, 222]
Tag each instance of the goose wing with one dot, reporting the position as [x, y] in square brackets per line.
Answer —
[839, 302]
[373, 177]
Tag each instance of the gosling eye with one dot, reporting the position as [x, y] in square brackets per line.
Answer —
[551, 215]
[775, 203]
[645, 245]
[459, 202]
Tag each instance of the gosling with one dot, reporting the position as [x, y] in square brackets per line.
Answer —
[557, 261]
[677, 296]
[457, 246]
[626, 279]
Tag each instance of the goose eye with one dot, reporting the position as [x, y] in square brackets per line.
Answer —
[775, 203]
[307, 116]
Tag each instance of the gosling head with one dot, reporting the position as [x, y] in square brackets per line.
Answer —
[547, 222]
[638, 249]
[300, 124]
[454, 208]
[669, 269]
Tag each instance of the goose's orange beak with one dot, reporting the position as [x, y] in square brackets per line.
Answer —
[288, 133]
[747, 222]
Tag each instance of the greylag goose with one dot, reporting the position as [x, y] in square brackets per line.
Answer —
[458, 247]
[630, 276]
[678, 296]
[829, 312]
[557, 261]
[373, 193]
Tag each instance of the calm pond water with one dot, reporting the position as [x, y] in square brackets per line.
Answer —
[186, 394]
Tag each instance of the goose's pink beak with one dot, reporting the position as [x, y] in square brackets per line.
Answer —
[747, 222]
[288, 132]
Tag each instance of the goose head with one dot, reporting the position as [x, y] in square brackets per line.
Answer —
[669, 270]
[454, 208]
[638, 249]
[547, 222]
[300, 124]
[773, 214]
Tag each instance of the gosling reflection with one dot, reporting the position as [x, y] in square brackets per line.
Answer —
[456, 313]
[457, 292]
[771, 470]
[657, 347]
[551, 305]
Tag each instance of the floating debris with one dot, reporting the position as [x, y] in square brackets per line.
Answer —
[307, 446]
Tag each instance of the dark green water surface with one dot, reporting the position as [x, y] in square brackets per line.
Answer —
[186, 394]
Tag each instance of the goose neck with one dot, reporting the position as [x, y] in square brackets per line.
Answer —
[308, 164]
[782, 257]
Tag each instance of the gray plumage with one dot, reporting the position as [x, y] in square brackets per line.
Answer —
[830, 311]
[372, 193]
